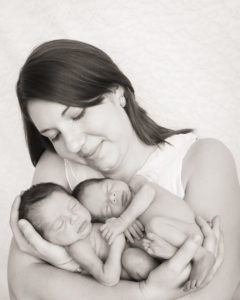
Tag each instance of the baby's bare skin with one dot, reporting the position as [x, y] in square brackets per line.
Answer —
[166, 213]
[94, 245]
[165, 218]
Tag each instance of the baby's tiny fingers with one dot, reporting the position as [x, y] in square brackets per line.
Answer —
[104, 233]
[128, 236]
[140, 225]
[138, 230]
[102, 227]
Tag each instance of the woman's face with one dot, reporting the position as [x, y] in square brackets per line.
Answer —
[98, 136]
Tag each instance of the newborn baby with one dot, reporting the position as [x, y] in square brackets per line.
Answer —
[63, 220]
[119, 205]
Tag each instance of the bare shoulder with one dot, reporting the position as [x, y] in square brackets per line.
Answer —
[50, 168]
[209, 155]
[20, 265]
[212, 188]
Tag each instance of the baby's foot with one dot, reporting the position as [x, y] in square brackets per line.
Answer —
[157, 247]
[202, 264]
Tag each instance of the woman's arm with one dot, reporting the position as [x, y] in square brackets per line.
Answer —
[213, 188]
[33, 279]
[30, 279]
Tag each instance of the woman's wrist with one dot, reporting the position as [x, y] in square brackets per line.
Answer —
[151, 293]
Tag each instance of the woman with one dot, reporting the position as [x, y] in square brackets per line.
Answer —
[81, 120]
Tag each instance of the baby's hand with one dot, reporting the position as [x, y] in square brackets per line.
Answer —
[134, 231]
[112, 228]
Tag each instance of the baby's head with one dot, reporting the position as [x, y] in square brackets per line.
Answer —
[104, 198]
[55, 213]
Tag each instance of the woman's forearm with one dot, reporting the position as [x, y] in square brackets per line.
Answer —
[29, 279]
[213, 189]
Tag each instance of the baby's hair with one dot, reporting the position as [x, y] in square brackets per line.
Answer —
[79, 189]
[33, 196]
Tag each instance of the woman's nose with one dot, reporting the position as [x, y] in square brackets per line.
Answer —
[74, 142]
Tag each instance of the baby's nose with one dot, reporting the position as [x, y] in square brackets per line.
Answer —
[113, 197]
[73, 219]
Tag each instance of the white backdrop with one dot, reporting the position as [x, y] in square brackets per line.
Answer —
[183, 57]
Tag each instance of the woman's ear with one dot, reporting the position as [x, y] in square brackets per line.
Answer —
[118, 91]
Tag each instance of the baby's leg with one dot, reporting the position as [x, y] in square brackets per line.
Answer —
[165, 235]
[175, 232]
[138, 263]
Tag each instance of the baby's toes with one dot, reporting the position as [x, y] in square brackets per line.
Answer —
[152, 236]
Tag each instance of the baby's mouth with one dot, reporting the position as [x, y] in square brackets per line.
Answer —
[124, 198]
[82, 227]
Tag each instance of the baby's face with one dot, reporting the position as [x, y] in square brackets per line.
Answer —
[64, 220]
[107, 198]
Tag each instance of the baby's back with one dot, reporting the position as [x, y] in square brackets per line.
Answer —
[166, 204]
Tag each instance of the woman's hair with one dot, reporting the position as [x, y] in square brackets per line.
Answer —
[74, 73]
[31, 200]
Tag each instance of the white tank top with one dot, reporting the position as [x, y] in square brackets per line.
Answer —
[164, 165]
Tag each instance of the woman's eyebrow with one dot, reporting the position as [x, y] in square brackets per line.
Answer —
[62, 114]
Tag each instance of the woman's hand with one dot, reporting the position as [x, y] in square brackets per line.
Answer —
[174, 282]
[213, 242]
[167, 280]
[30, 242]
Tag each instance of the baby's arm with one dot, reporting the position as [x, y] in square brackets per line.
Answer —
[107, 273]
[140, 202]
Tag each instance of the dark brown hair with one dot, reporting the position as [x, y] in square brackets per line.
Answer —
[74, 73]
[33, 196]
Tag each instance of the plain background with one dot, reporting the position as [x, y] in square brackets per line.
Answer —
[182, 56]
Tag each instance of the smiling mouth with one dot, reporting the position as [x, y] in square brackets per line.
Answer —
[93, 154]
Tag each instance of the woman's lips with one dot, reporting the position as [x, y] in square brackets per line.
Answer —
[94, 153]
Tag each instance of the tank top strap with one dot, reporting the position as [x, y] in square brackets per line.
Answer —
[76, 172]
[164, 166]
[69, 173]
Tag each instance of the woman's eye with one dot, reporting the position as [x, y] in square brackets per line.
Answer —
[79, 116]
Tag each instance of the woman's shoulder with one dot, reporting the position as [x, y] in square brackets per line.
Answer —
[207, 148]
[50, 168]
[20, 265]
[207, 153]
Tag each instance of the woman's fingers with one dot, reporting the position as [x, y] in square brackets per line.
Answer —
[216, 227]
[213, 241]
[14, 212]
[32, 237]
[21, 242]
[185, 254]
[210, 241]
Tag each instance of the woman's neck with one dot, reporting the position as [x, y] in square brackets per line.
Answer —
[134, 159]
